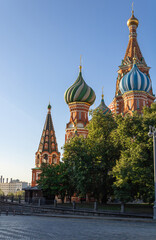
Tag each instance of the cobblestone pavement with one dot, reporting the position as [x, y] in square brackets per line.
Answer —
[33, 227]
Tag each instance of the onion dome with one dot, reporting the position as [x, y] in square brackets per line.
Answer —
[49, 106]
[135, 80]
[103, 106]
[80, 92]
[132, 20]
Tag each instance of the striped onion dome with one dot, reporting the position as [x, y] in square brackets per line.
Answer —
[80, 92]
[103, 107]
[135, 80]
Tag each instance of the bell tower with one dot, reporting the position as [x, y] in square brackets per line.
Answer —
[48, 150]
[79, 98]
[132, 92]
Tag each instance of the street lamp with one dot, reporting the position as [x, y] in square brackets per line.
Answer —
[152, 133]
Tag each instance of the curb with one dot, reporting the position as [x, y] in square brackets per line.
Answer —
[111, 218]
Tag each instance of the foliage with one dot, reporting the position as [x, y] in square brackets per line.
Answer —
[77, 158]
[116, 158]
[1, 192]
[134, 169]
[54, 180]
[20, 194]
[91, 159]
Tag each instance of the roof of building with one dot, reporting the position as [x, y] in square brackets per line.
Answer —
[133, 43]
[80, 92]
[135, 80]
[48, 141]
[103, 106]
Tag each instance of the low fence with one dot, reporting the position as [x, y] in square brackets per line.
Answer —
[70, 209]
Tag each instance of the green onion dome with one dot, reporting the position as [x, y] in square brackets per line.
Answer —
[80, 92]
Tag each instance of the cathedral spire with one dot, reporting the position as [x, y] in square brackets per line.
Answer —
[48, 139]
[47, 152]
[132, 24]
[49, 107]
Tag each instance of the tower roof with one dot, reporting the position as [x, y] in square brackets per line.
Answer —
[103, 106]
[133, 20]
[80, 91]
[48, 141]
[132, 23]
[135, 80]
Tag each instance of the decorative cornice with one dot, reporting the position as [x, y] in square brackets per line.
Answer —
[78, 103]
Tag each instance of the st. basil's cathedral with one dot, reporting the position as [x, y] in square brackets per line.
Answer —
[133, 92]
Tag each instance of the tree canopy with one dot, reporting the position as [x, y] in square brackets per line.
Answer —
[133, 171]
[116, 159]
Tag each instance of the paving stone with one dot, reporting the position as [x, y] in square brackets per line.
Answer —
[40, 228]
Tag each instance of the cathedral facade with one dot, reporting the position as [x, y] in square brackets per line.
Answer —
[79, 98]
[133, 92]
[133, 85]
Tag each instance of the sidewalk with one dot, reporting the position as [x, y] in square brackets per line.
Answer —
[103, 218]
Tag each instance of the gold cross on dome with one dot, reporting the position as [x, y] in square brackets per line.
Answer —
[80, 63]
[132, 8]
[102, 93]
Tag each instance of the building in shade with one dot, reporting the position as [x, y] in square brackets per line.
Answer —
[133, 85]
[48, 150]
[79, 98]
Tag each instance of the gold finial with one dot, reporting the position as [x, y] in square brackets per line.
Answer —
[102, 93]
[132, 8]
[80, 67]
[134, 58]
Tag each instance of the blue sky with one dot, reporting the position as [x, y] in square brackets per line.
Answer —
[40, 46]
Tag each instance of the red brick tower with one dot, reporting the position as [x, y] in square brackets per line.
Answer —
[133, 85]
[47, 151]
[79, 98]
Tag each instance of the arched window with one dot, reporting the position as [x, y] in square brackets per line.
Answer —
[46, 145]
[47, 132]
[37, 159]
[79, 115]
[45, 158]
[54, 159]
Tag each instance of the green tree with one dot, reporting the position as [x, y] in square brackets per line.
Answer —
[90, 160]
[54, 180]
[103, 151]
[134, 169]
[78, 162]
[1, 193]
[20, 194]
